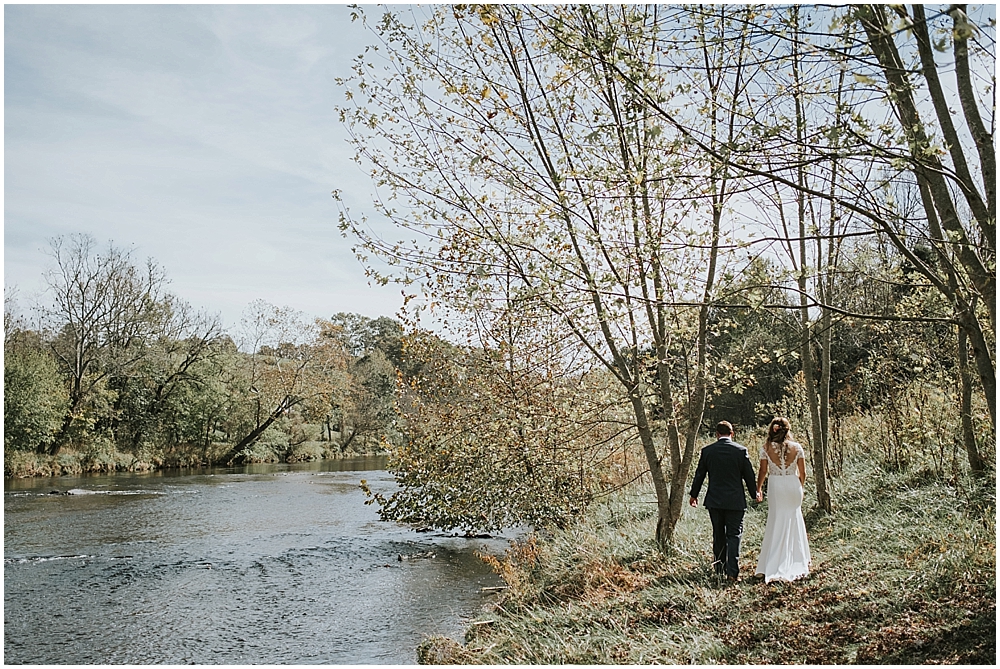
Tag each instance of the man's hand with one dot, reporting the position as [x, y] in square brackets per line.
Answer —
[694, 501]
[760, 496]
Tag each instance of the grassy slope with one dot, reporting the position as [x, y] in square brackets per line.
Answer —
[904, 572]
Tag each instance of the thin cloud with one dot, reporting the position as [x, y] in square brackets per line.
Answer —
[205, 136]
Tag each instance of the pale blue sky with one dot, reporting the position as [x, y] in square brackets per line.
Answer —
[203, 136]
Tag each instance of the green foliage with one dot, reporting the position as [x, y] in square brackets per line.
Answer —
[22, 464]
[101, 456]
[174, 395]
[270, 447]
[35, 398]
[755, 349]
[204, 410]
[486, 448]
[307, 451]
[189, 400]
[361, 335]
[917, 428]
[124, 376]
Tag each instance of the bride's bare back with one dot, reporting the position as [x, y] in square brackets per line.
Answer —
[781, 457]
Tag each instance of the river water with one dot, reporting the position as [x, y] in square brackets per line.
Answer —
[266, 564]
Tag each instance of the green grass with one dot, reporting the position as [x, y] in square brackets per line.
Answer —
[903, 572]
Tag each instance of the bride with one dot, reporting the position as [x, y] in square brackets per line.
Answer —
[784, 553]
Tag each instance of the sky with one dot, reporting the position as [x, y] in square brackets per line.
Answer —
[204, 137]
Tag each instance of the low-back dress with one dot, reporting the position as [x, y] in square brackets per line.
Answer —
[784, 553]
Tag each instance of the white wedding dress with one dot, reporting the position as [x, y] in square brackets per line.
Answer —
[784, 553]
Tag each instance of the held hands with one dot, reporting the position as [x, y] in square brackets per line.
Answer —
[760, 495]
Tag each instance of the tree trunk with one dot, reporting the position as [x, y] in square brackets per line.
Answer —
[256, 432]
[818, 451]
[664, 526]
[982, 354]
[968, 434]
[939, 99]
[926, 166]
[980, 135]
[965, 312]
[808, 367]
[62, 435]
[824, 385]
[345, 444]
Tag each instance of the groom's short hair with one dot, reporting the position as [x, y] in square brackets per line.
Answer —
[724, 428]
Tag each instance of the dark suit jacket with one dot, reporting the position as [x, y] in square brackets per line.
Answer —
[727, 465]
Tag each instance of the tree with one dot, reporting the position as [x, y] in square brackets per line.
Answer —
[755, 349]
[361, 335]
[965, 247]
[533, 172]
[175, 358]
[486, 446]
[365, 402]
[35, 396]
[917, 143]
[287, 364]
[369, 406]
[105, 311]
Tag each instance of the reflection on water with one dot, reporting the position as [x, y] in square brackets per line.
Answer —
[269, 564]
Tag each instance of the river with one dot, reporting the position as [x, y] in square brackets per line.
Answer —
[265, 564]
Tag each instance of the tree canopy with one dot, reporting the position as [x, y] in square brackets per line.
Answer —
[624, 169]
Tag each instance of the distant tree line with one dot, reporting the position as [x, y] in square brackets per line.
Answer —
[114, 372]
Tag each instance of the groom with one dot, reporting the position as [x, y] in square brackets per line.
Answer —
[726, 463]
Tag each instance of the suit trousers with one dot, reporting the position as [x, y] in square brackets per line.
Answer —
[727, 529]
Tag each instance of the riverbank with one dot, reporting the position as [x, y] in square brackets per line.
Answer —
[904, 572]
[105, 459]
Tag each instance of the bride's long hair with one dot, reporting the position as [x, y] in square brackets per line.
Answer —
[780, 432]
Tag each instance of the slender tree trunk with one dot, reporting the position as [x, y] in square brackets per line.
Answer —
[808, 364]
[208, 437]
[664, 528]
[968, 434]
[982, 137]
[982, 354]
[826, 338]
[809, 372]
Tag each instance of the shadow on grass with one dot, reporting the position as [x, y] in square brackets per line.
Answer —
[816, 519]
[972, 641]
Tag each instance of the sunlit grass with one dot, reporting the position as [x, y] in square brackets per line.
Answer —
[902, 572]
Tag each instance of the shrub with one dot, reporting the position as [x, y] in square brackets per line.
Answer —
[35, 399]
[270, 447]
[306, 452]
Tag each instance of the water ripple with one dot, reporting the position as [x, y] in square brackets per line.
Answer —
[290, 569]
